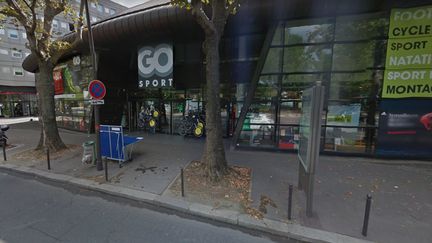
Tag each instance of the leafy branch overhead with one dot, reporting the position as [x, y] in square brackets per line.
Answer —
[210, 14]
[36, 17]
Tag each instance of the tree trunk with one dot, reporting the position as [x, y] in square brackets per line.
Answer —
[50, 137]
[214, 151]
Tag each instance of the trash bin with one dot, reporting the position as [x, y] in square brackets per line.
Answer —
[89, 153]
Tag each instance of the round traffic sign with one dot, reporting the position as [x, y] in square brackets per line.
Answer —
[97, 89]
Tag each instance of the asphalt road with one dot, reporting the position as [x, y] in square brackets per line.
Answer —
[32, 211]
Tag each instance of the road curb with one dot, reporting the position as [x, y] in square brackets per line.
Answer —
[290, 230]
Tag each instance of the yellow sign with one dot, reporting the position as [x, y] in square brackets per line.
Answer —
[409, 54]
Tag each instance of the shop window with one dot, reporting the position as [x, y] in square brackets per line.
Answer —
[290, 112]
[273, 61]
[298, 33]
[288, 137]
[361, 27]
[294, 84]
[311, 58]
[347, 140]
[353, 56]
[278, 35]
[259, 126]
[355, 85]
[267, 87]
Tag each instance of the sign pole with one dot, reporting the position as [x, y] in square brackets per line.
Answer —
[99, 165]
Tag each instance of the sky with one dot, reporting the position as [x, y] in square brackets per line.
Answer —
[129, 3]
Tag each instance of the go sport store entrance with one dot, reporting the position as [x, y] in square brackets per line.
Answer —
[173, 108]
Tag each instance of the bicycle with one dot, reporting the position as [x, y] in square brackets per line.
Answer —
[147, 121]
[191, 124]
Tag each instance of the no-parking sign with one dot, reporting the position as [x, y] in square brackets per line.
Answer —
[97, 90]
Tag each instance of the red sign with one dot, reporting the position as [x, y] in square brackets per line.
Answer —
[58, 82]
[97, 89]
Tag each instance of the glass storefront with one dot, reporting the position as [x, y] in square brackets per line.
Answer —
[347, 54]
[17, 105]
[71, 78]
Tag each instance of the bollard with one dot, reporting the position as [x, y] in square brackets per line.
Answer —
[367, 212]
[290, 191]
[182, 182]
[48, 159]
[106, 169]
[4, 150]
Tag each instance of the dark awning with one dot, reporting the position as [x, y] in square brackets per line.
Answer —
[158, 19]
[8, 90]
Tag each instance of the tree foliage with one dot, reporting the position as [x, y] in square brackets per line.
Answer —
[36, 17]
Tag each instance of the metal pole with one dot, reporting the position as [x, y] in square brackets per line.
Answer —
[182, 182]
[4, 150]
[48, 158]
[106, 169]
[367, 213]
[99, 164]
[290, 191]
[309, 194]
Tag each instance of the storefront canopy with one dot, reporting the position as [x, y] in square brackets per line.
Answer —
[158, 19]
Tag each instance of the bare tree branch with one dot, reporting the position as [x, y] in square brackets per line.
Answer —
[57, 54]
[202, 18]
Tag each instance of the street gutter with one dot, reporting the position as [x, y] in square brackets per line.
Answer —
[274, 227]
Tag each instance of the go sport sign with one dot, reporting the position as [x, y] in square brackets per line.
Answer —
[155, 66]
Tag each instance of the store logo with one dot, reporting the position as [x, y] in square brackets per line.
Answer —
[155, 61]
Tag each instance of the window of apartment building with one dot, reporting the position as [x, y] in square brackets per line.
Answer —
[16, 54]
[112, 11]
[2, 31]
[24, 35]
[100, 8]
[63, 25]
[18, 71]
[4, 52]
[93, 5]
[93, 19]
[6, 69]
[13, 34]
[55, 24]
[107, 10]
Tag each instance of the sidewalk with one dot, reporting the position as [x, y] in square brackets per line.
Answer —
[401, 209]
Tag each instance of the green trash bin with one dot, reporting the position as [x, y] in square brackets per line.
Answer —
[89, 153]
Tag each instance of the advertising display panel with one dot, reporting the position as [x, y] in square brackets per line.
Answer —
[409, 54]
[405, 128]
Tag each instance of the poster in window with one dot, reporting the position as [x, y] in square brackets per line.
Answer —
[405, 128]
